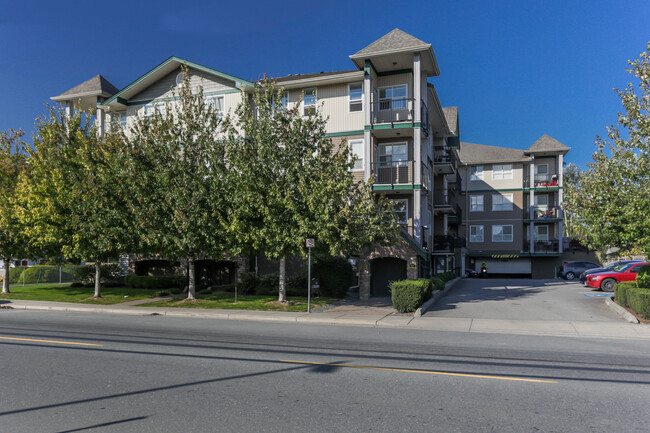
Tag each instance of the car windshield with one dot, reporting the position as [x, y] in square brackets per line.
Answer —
[623, 267]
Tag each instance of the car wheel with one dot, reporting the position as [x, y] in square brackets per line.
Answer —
[608, 285]
[569, 276]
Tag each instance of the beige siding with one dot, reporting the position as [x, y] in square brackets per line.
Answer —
[339, 141]
[162, 88]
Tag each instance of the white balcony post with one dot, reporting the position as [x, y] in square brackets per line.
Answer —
[531, 205]
[417, 87]
[367, 119]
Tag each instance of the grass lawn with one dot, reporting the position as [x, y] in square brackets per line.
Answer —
[65, 293]
[226, 301]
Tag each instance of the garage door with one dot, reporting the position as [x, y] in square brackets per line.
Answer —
[383, 271]
[513, 266]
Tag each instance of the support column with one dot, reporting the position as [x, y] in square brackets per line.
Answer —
[100, 118]
[367, 118]
[417, 180]
[417, 87]
[560, 201]
[531, 206]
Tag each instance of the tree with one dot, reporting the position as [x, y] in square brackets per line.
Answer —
[612, 197]
[289, 183]
[74, 202]
[180, 192]
[13, 162]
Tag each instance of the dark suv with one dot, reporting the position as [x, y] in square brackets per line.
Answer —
[570, 270]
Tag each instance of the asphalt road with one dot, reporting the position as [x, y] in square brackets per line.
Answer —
[523, 299]
[101, 373]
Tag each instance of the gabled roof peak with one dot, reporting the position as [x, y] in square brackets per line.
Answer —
[392, 41]
[96, 86]
[547, 143]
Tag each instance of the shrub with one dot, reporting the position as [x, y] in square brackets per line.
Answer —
[335, 275]
[621, 292]
[109, 272]
[297, 285]
[408, 295]
[16, 275]
[247, 284]
[437, 283]
[643, 277]
[268, 285]
[639, 301]
[160, 282]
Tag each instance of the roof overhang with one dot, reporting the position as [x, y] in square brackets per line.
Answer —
[399, 59]
[300, 83]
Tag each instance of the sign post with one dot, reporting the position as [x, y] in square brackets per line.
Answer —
[310, 245]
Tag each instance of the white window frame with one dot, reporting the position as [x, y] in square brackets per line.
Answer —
[311, 92]
[537, 166]
[358, 165]
[537, 236]
[540, 205]
[355, 101]
[394, 163]
[502, 202]
[119, 120]
[475, 172]
[503, 237]
[502, 172]
[210, 100]
[476, 206]
[478, 235]
[392, 98]
[406, 209]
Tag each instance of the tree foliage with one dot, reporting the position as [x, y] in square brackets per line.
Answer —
[610, 201]
[73, 202]
[290, 182]
[178, 167]
[13, 163]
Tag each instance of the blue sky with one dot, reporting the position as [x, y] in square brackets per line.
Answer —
[516, 69]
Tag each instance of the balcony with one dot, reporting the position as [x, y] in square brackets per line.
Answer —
[444, 163]
[541, 213]
[443, 244]
[396, 173]
[551, 246]
[542, 181]
[394, 111]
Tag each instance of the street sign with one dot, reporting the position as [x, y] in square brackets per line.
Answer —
[310, 243]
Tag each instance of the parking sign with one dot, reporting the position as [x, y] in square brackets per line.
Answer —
[310, 243]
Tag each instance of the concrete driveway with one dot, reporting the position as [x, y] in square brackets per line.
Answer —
[522, 299]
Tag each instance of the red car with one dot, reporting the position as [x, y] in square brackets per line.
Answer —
[606, 280]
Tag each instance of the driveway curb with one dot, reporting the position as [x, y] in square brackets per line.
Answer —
[620, 310]
[437, 295]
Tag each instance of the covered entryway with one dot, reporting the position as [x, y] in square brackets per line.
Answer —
[519, 267]
[214, 273]
[383, 271]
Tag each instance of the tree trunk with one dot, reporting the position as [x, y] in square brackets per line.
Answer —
[5, 282]
[191, 285]
[282, 297]
[98, 279]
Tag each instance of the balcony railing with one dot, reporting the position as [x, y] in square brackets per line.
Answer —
[424, 117]
[394, 173]
[543, 246]
[543, 212]
[393, 110]
[444, 162]
[443, 243]
[542, 181]
[444, 197]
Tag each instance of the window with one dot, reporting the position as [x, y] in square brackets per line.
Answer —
[541, 202]
[393, 155]
[502, 233]
[118, 120]
[216, 102]
[501, 202]
[541, 233]
[355, 94]
[541, 169]
[309, 102]
[357, 149]
[501, 171]
[400, 210]
[392, 97]
[476, 233]
[160, 107]
[476, 203]
[476, 172]
[179, 78]
[284, 101]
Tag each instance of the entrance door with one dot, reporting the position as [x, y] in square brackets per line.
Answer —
[383, 271]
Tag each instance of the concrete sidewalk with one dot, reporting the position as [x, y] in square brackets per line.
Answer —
[376, 317]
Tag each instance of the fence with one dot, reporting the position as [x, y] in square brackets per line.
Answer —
[41, 274]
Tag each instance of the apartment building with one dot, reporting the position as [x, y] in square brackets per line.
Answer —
[387, 110]
[512, 207]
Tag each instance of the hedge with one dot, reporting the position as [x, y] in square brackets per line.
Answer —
[639, 301]
[155, 282]
[643, 277]
[408, 295]
[621, 292]
[109, 272]
[335, 276]
[437, 283]
[41, 274]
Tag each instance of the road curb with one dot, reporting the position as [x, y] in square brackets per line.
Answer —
[620, 310]
[436, 295]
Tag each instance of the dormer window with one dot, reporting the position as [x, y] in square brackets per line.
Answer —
[179, 78]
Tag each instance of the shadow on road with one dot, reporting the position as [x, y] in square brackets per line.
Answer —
[479, 290]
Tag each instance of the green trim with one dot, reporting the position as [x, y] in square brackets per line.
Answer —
[238, 81]
[344, 133]
[369, 64]
[472, 191]
[395, 187]
[397, 72]
[121, 101]
[415, 246]
[393, 126]
[147, 101]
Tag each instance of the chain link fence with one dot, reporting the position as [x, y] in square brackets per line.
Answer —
[41, 274]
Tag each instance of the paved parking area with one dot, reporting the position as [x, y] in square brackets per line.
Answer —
[522, 299]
